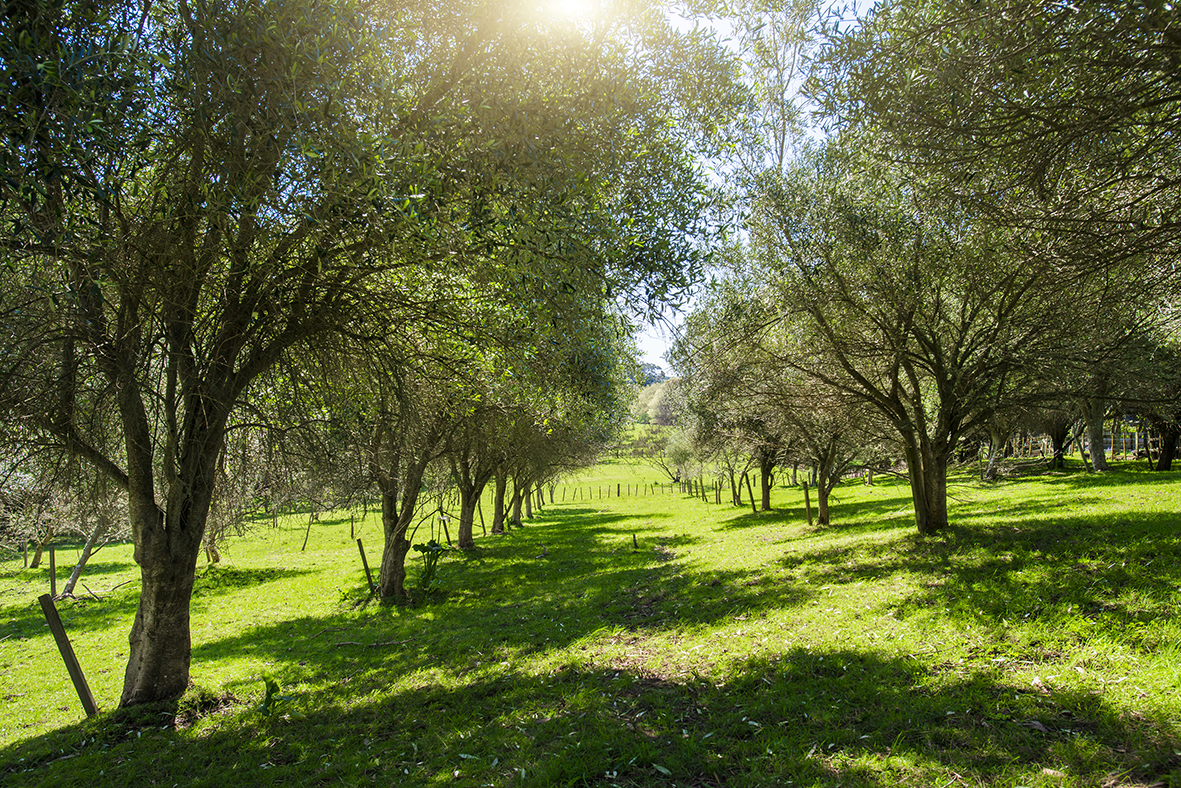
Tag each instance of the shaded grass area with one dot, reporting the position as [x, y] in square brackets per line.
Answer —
[1034, 644]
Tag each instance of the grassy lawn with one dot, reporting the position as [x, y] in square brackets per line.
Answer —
[1035, 644]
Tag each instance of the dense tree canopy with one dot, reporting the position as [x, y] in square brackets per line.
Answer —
[1057, 118]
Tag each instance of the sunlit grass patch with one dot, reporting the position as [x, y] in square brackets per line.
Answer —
[652, 638]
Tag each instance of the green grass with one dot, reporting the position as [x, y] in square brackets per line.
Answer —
[1035, 644]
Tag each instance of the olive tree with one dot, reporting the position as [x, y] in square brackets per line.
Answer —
[914, 307]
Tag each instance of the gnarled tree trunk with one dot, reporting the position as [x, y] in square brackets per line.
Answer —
[465, 534]
[927, 469]
[399, 470]
[391, 582]
[498, 500]
[167, 544]
[767, 461]
[518, 495]
[997, 438]
[1057, 426]
[1095, 415]
[1170, 434]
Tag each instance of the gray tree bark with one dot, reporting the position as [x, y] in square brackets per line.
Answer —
[99, 529]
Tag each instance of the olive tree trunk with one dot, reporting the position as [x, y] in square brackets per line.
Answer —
[465, 537]
[498, 500]
[168, 542]
[927, 470]
[997, 438]
[1170, 434]
[1095, 414]
[391, 582]
[767, 462]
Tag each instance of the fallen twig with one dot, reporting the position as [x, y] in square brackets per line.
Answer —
[326, 629]
[374, 645]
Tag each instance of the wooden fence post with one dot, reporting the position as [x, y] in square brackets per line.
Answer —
[67, 652]
[368, 574]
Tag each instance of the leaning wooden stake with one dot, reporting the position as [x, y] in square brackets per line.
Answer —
[67, 652]
[368, 574]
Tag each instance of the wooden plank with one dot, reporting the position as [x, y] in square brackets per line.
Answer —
[67, 652]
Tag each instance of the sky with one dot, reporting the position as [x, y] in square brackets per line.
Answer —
[653, 342]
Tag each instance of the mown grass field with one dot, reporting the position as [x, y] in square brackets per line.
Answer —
[1035, 644]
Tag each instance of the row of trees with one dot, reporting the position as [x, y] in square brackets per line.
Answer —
[990, 232]
[374, 236]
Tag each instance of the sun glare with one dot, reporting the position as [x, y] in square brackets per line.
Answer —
[567, 9]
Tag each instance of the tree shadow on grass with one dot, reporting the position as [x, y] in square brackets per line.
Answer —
[509, 602]
[853, 508]
[828, 718]
[462, 710]
[84, 613]
[217, 579]
[1114, 575]
[99, 565]
[1122, 474]
[734, 519]
[1116, 572]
